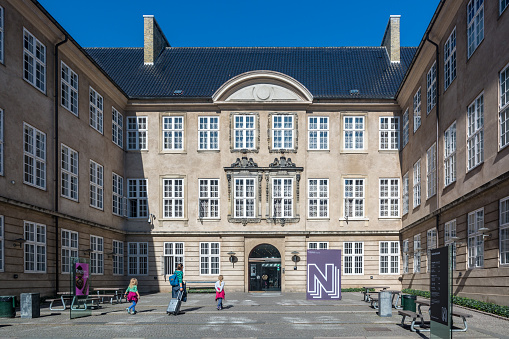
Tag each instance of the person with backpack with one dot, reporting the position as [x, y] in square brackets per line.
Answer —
[178, 283]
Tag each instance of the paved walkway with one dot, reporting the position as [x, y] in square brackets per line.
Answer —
[246, 315]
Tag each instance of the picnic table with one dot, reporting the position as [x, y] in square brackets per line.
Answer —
[396, 295]
[68, 299]
[64, 296]
[367, 288]
[113, 293]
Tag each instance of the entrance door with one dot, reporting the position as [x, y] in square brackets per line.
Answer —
[265, 269]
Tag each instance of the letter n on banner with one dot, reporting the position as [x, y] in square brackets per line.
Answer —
[324, 275]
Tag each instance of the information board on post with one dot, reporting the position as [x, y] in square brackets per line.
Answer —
[440, 292]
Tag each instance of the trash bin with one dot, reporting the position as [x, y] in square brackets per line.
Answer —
[384, 304]
[7, 306]
[408, 302]
[30, 305]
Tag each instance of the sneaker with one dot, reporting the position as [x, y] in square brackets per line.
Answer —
[128, 311]
[218, 308]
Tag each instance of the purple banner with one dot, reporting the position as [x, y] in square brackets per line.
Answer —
[324, 275]
[81, 282]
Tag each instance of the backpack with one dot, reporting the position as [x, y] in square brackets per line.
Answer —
[174, 280]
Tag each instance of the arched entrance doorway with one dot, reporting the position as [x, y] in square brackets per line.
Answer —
[264, 268]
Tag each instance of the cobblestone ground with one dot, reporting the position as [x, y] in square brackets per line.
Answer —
[246, 315]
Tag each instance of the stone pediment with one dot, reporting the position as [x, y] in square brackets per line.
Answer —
[264, 93]
[282, 162]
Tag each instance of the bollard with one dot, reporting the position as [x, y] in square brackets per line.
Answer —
[30, 305]
[385, 304]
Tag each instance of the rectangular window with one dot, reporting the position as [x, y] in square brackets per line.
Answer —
[389, 257]
[504, 107]
[406, 128]
[1, 34]
[353, 129]
[417, 183]
[389, 198]
[244, 197]
[503, 5]
[209, 198]
[244, 128]
[118, 194]
[431, 171]
[208, 131]
[389, 133]
[282, 197]
[450, 155]
[417, 253]
[69, 249]
[450, 238]
[475, 24]
[504, 231]
[317, 245]
[2, 242]
[117, 133]
[450, 59]
[475, 239]
[69, 89]
[173, 133]
[405, 194]
[354, 198]
[35, 247]
[1, 141]
[118, 257]
[96, 111]
[137, 131]
[137, 258]
[96, 185]
[34, 61]
[173, 255]
[475, 132]
[282, 132]
[34, 157]
[69, 173]
[431, 85]
[96, 255]
[137, 198]
[318, 129]
[431, 244]
[318, 198]
[405, 256]
[417, 110]
[353, 258]
[209, 258]
[173, 198]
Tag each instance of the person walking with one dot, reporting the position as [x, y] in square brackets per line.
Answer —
[132, 295]
[219, 292]
[180, 287]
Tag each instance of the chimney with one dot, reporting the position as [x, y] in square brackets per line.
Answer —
[391, 38]
[154, 39]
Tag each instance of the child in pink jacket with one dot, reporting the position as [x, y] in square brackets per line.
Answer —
[219, 292]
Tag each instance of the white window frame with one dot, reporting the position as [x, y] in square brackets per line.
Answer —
[242, 198]
[137, 196]
[406, 256]
[406, 128]
[2, 30]
[69, 166]
[504, 231]
[417, 253]
[35, 236]
[244, 129]
[208, 133]
[475, 241]
[389, 133]
[406, 201]
[417, 109]
[417, 184]
[431, 88]
[69, 249]
[173, 198]
[318, 133]
[318, 198]
[318, 245]
[1, 141]
[388, 257]
[475, 133]
[137, 133]
[69, 89]
[118, 257]
[206, 257]
[137, 258]
[431, 171]
[209, 202]
[34, 61]
[96, 175]
[173, 133]
[34, 157]
[450, 239]
[503, 6]
[280, 131]
[173, 255]
[353, 258]
[96, 255]
[2, 243]
[450, 59]
[117, 128]
[450, 155]
[283, 194]
[431, 244]
[354, 197]
[475, 25]
[117, 200]
[388, 198]
[353, 132]
[96, 113]
[504, 107]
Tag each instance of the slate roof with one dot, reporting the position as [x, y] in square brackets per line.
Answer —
[327, 72]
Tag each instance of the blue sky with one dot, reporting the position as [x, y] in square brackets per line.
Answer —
[116, 23]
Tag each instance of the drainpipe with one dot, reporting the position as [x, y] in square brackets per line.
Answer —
[56, 153]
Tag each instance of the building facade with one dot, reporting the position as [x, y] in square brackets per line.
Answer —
[235, 161]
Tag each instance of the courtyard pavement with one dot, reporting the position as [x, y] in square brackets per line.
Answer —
[246, 315]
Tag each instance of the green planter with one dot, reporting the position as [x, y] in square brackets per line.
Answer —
[7, 306]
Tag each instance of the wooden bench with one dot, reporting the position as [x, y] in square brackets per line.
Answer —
[374, 301]
[62, 300]
[414, 316]
[200, 284]
[464, 317]
[86, 302]
[111, 297]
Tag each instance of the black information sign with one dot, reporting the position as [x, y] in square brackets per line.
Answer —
[439, 285]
